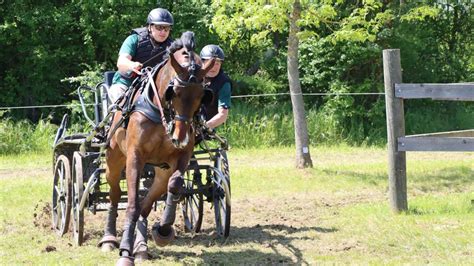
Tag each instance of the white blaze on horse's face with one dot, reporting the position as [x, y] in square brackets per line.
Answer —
[181, 144]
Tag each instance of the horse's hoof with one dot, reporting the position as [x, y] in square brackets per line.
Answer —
[159, 239]
[108, 243]
[125, 261]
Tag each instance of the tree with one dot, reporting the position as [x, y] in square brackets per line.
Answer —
[260, 19]
[334, 21]
[303, 157]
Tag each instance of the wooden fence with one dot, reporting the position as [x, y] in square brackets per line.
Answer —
[397, 142]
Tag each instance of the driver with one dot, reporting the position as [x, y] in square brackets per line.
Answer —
[144, 45]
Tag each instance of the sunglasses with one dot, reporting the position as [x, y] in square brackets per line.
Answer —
[162, 28]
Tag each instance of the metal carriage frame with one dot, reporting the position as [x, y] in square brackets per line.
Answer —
[79, 173]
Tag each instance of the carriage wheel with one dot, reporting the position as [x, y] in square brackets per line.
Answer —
[61, 195]
[192, 207]
[222, 205]
[223, 165]
[77, 192]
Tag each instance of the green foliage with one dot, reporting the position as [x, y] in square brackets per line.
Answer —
[421, 13]
[90, 78]
[45, 42]
[47, 45]
[22, 137]
[270, 126]
[39, 47]
[257, 85]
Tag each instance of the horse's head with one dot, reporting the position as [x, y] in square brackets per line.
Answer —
[187, 92]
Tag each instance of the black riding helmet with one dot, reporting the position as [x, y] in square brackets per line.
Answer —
[211, 51]
[160, 16]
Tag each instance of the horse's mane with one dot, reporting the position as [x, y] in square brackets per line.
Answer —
[185, 41]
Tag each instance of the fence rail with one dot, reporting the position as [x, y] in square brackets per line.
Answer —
[397, 142]
[453, 91]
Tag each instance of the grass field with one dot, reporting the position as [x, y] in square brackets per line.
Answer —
[334, 213]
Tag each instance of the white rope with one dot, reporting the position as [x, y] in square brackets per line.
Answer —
[234, 97]
[310, 94]
[41, 106]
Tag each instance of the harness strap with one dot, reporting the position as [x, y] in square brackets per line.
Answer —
[182, 118]
[163, 119]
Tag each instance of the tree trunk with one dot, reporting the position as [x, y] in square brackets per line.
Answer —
[303, 158]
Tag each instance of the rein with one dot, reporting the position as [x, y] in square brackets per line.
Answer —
[181, 83]
[160, 107]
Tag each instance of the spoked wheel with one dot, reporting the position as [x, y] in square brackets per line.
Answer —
[77, 192]
[61, 195]
[222, 164]
[222, 205]
[192, 206]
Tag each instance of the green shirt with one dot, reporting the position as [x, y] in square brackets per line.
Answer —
[224, 96]
[129, 47]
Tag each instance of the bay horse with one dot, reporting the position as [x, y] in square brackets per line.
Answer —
[179, 83]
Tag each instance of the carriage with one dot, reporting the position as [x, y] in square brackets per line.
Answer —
[79, 171]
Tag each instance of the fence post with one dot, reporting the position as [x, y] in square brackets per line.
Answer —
[397, 179]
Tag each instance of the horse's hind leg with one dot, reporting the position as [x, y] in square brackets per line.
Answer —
[115, 164]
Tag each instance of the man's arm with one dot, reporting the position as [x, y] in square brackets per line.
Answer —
[127, 51]
[219, 118]
[125, 64]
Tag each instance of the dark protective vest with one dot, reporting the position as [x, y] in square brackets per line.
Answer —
[147, 47]
[216, 85]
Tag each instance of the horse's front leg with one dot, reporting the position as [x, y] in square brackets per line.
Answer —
[157, 189]
[134, 166]
[163, 232]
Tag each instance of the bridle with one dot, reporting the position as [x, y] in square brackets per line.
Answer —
[176, 81]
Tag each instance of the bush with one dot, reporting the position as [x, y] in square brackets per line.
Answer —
[22, 136]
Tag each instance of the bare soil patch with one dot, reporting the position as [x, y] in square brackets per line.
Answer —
[25, 172]
[287, 226]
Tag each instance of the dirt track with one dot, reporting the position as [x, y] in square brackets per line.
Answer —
[288, 228]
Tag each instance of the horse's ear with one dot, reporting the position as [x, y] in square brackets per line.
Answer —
[176, 66]
[207, 66]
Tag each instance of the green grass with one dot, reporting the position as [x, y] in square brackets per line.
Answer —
[335, 213]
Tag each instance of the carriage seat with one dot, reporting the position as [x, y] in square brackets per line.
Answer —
[108, 77]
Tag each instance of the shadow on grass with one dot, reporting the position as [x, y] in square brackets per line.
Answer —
[271, 239]
[274, 237]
